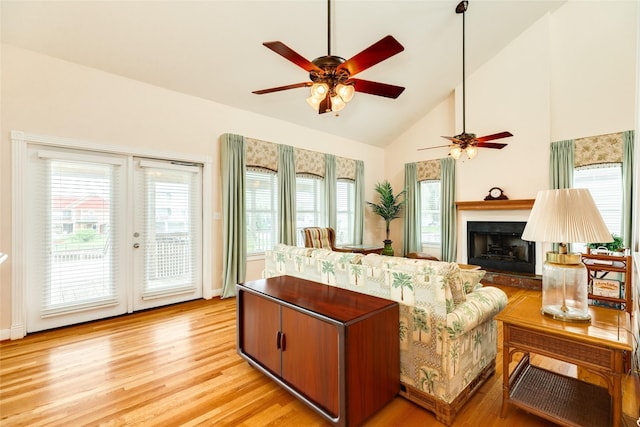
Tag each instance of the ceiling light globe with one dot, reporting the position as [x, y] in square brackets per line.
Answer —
[346, 92]
[337, 103]
[314, 102]
[455, 152]
[471, 151]
[319, 90]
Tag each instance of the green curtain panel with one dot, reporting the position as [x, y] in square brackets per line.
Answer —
[561, 164]
[448, 209]
[287, 195]
[411, 230]
[627, 186]
[358, 222]
[234, 243]
[330, 189]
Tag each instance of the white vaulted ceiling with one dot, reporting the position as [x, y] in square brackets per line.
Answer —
[213, 49]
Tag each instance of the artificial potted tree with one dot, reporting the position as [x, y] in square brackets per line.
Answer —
[389, 208]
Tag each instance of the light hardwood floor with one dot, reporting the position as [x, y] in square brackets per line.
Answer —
[178, 366]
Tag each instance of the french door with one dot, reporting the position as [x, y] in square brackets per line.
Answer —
[167, 233]
[108, 234]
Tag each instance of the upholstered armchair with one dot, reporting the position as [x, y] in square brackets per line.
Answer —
[321, 237]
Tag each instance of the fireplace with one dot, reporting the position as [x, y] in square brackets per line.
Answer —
[497, 246]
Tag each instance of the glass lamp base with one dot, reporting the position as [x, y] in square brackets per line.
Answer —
[568, 314]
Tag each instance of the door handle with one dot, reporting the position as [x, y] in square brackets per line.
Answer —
[278, 339]
[136, 245]
[283, 342]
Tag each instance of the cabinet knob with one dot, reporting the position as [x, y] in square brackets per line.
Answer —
[278, 338]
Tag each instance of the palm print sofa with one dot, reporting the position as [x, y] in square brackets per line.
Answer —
[447, 330]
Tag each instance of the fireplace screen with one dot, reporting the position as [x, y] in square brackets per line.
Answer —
[498, 246]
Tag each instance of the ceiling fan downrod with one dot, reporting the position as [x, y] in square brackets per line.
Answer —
[328, 27]
[462, 8]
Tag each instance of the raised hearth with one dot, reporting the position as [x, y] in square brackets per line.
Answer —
[516, 280]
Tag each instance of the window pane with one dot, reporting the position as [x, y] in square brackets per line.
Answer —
[309, 205]
[430, 212]
[79, 255]
[605, 184]
[261, 199]
[345, 211]
[172, 212]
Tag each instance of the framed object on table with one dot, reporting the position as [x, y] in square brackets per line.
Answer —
[607, 288]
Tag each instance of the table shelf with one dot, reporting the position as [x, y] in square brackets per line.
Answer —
[561, 399]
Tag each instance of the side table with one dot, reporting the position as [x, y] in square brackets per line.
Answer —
[361, 249]
[599, 347]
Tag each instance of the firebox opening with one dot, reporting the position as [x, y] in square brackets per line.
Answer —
[497, 246]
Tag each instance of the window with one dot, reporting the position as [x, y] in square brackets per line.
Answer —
[430, 213]
[261, 210]
[345, 211]
[605, 183]
[309, 204]
[79, 268]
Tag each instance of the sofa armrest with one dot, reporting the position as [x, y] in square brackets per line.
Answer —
[481, 305]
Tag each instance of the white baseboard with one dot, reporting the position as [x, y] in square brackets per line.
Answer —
[5, 334]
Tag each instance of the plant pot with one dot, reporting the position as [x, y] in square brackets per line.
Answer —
[388, 249]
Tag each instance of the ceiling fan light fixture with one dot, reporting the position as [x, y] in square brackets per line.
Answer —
[455, 152]
[314, 102]
[319, 90]
[337, 103]
[346, 91]
[471, 151]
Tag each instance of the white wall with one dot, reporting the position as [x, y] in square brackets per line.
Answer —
[46, 96]
[593, 67]
[548, 84]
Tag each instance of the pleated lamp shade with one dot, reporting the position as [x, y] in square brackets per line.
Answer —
[566, 216]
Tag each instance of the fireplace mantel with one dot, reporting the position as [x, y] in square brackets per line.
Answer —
[488, 205]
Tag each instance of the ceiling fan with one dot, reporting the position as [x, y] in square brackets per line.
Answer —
[468, 142]
[332, 83]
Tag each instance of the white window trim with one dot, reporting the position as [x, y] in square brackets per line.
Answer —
[20, 141]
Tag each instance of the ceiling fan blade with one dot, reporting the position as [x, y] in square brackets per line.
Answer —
[437, 146]
[377, 52]
[288, 53]
[490, 145]
[376, 88]
[279, 88]
[494, 136]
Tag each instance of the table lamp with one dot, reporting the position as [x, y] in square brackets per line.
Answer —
[565, 216]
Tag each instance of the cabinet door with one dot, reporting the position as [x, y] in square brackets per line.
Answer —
[310, 358]
[259, 329]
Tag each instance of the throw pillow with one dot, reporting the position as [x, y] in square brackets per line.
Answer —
[455, 283]
[471, 279]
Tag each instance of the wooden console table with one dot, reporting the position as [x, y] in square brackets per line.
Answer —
[599, 347]
[336, 350]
